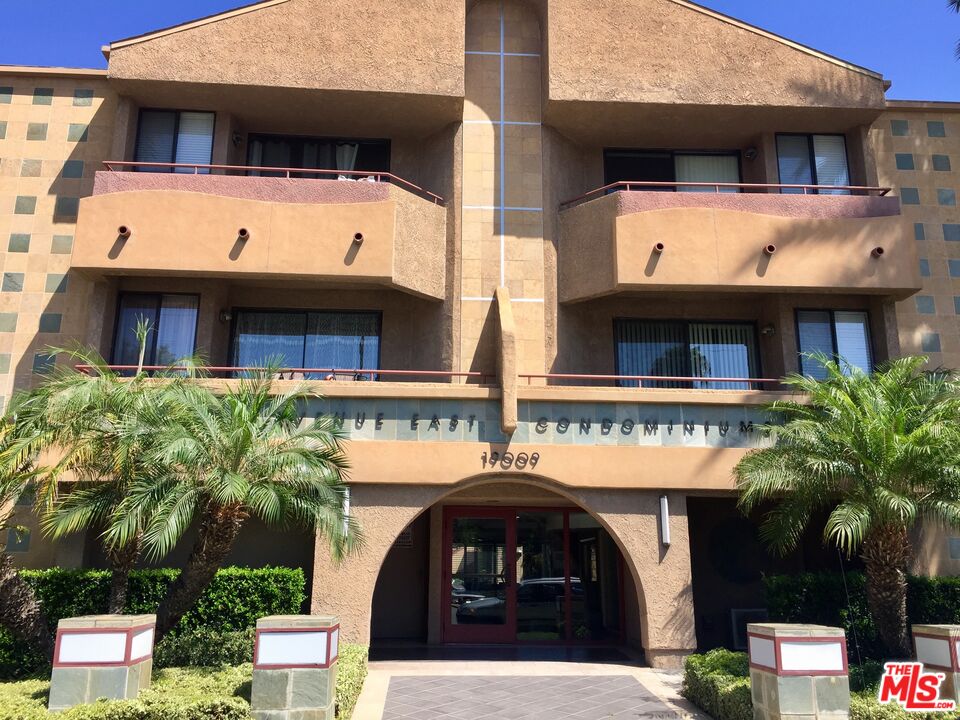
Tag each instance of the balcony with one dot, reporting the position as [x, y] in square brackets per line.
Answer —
[363, 229]
[643, 236]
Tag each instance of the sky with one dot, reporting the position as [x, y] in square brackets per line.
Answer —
[911, 42]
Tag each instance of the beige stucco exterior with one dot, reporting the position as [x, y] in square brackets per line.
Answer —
[484, 260]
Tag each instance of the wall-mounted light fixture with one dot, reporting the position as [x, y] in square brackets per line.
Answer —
[750, 153]
[664, 521]
[768, 330]
[237, 139]
[225, 316]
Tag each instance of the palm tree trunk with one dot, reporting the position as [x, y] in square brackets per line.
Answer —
[215, 538]
[122, 561]
[20, 610]
[886, 552]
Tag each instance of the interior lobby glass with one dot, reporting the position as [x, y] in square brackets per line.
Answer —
[479, 572]
[541, 576]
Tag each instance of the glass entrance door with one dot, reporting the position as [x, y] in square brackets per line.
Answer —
[479, 576]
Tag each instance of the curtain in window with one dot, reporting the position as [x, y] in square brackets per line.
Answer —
[707, 168]
[651, 348]
[177, 329]
[830, 155]
[347, 156]
[793, 156]
[815, 331]
[853, 339]
[264, 338]
[133, 308]
[195, 140]
[722, 350]
[156, 138]
[343, 341]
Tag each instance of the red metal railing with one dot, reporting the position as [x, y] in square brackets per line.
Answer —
[206, 169]
[756, 383]
[717, 187]
[326, 374]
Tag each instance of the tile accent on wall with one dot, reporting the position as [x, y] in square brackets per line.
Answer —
[77, 132]
[30, 168]
[4, 363]
[50, 322]
[66, 207]
[930, 342]
[83, 97]
[924, 267]
[62, 245]
[43, 363]
[3, 129]
[954, 267]
[8, 322]
[946, 196]
[956, 304]
[12, 282]
[36, 131]
[6, 94]
[43, 96]
[56, 283]
[951, 232]
[909, 196]
[899, 128]
[936, 128]
[18, 542]
[904, 161]
[25, 205]
[918, 232]
[926, 305]
[19, 243]
[72, 169]
[941, 163]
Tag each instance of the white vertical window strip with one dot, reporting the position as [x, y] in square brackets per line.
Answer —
[853, 339]
[195, 140]
[793, 159]
[816, 336]
[723, 350]
[830, 154]
[707, 168]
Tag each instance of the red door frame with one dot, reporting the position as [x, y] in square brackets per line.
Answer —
[500, 634]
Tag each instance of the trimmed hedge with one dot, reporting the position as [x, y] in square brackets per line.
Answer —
[233, 602]
[719, 682]
[204, 648]
[821, 598]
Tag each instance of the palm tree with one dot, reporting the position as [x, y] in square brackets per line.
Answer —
[232, 455]
[878, 452]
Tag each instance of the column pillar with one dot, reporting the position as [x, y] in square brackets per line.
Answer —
[938, 648]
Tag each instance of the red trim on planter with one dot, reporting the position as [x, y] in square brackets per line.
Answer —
[284, 666]
[952, 645]
[127, 651]
[778, 655]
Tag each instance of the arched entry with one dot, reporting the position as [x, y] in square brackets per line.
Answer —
[505, 561]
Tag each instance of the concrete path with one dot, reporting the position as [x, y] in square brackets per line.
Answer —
[517, 690]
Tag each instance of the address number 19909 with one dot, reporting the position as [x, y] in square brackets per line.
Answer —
[508, 460]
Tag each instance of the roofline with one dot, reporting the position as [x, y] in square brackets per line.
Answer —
[923, 105]
[124, 42]
[779, 38]
[51, 70]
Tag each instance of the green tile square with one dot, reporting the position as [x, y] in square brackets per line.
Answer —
[77, 132]
[62, 245]
[941, 163]
[3, 129]
[919, 233]
[12, 282]
[930, 342]
[924, 267]
[25, 205]
[899, 128]
[17, 540]
[936, 128]
[4, 363]
[953, 267]
[56, 283]
[946, 196]
[66, 206]
[19, 242]
[926, 305]
[43, 363]
[72, 169]
[42, 96]
[6, 94]
[956, 304]
[910, 196]
[951, 232]
[37, 131]
[904, 161]
[31, 168]
[50, 322]
[8, 322]
[83, 97]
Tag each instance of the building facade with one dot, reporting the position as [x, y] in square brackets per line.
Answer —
[544, 261]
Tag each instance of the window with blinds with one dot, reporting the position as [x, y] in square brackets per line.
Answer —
[841, 334]
[687, 350]
[672, 166]
[813, 160]
[175, 136]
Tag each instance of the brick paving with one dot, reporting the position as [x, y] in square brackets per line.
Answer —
[522, 697]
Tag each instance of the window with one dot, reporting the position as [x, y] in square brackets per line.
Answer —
[686, 349]
[173, 319]
[672, 166]
[936, 128]
[813, 160]
[304, 339]
[904, 161]
[318, 154]
[899, 128]
[941, 163]
[175, 136]
[910, 196]
[842, 334]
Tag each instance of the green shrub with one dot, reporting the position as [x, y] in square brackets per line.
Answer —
[719, 682]
[204, 648]
[821, 599]
[865, 706]
[351, 672]
[233, 602]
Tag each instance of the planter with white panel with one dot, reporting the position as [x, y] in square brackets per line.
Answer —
[938, 648]
[798, 671]
[101, 656]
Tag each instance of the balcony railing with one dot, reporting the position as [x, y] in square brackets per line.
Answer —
[649, 381]
[321, 374]
[720, 187]
[308, 173]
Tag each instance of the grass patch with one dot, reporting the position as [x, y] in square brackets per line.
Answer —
[180, 693]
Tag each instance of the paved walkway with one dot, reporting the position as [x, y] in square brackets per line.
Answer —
[510, 690]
